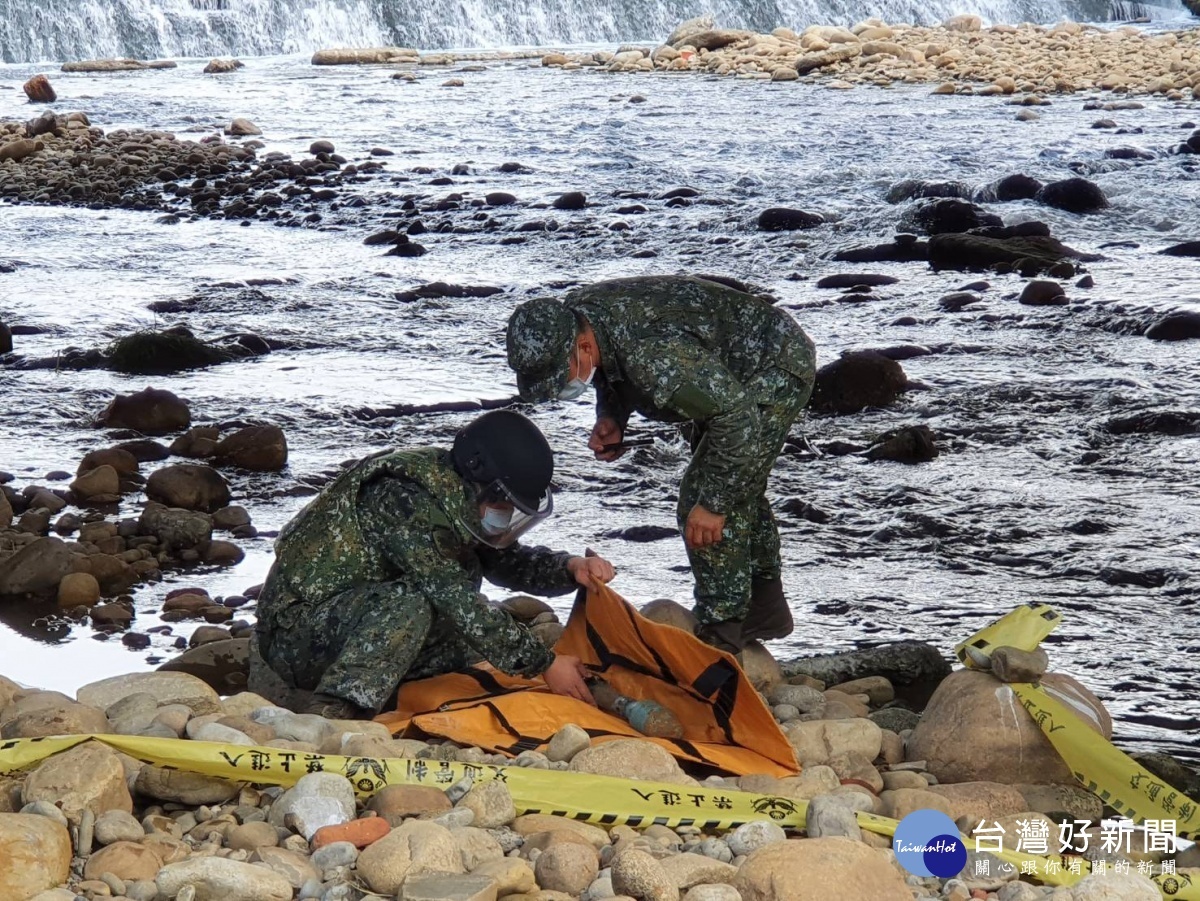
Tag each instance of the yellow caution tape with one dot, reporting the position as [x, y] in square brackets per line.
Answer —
[1023, 628]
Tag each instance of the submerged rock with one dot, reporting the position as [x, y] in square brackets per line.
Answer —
[856, 381]
[783, 219]
[151, 412]
[1075, 195]
[948, 216]
[976, 251]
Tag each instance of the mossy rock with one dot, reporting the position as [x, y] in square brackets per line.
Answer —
[161, 353]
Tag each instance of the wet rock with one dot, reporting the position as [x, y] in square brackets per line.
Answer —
[947, 216]
[567, 867]
[87, 777]
[912, 188]
[256, 448]
[572, 200]
[151, 412]
[223, 664]
[189, 486]
[175, 528]
[914, 668]
[1182, 325]
[318, 799]
[1019, 752]
[1009, 188]
[35, 855]
[1186, 249]
[820, 869]
[1040, 293]
[499, 198]
[1075, 195]
[642, 534]
[1161, 422]
[111, 616]
[6, 342]
[778, 219]
[219, 879]
[911, 444]
[122, 461]
[241, 127]
[415, 847]
[1030, 254]
[856, 381]
[167, 688]
[164, 353]
[629, 758]
[904, 249]
[223, 66]
[37, 567]
[39, 90]
[101, 482]
[443, 289]
[78, 589]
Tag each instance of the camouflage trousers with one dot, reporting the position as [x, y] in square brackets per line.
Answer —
[361, 644]
[748, 554]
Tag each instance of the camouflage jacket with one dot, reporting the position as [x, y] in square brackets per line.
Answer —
[401, 517]
[677, 349]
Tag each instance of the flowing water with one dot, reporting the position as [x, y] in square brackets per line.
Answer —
[33, 30]
[1017, 395]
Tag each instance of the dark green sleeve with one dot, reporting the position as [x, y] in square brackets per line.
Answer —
[403, 520]
[685, 379]
[609, 404]
[537, 570]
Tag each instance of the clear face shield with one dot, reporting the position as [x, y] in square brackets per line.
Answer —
[503, 518]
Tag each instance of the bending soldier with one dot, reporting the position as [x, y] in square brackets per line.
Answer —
[678, 349]
[376, 581]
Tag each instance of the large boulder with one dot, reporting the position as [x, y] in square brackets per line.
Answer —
[778, 219]
[191, 486]
[261, 448]
[224, 665]
[1075, 195]
[1181, 325]
[151, 412]
[35, 855]
[39, 90]
[975, 730]
[87, 777]
[1028, 253]
[820, 869]
[37, 567]
[947, 216]
[856, 381]
[166, 688]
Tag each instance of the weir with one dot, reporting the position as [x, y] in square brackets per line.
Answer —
[48, 30]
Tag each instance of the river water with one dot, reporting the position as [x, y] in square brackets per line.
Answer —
[1017, 395]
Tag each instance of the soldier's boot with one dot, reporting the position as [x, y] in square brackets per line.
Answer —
[769, 615]
[333, 708]
[724, 636]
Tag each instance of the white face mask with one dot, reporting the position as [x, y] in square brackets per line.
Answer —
[576, 386]
[495, 522]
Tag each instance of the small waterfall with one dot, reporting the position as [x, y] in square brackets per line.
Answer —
[51, 30]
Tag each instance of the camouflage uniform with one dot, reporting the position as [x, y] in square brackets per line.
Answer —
[678, 349]
[377, 581]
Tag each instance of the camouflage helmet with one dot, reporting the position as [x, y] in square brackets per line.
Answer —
[540, 336]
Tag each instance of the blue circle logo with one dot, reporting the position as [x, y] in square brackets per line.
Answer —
[927, 843]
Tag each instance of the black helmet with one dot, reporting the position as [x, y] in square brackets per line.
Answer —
[509, 461]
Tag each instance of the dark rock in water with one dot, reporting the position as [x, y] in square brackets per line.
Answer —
[905, 352]
[914, 189]
[966, 252]
[444, 289]
[45, 124]
[841, 448]
[164, 353]
[499, 198]
[1009, 188]
[779, 219]
[39, 90]
[37, 567]
[387, 236]
[1021, 230]
[895, 719]
[1176, 774]
[175, 528]
[512, 167]
[1043, 294]
[941, 217]
[854, 279]
[856, 381]
[1186, 249]
[1162, 422]
[572, 200]
[407, 249]
[677, 193]
[1181, 325]
[802, 509]
[912, 444]
[225, 665]
[135, 640]
[958, 301]
[146, 451]
[1088, 527]
[642, 534]
[899, 251]
[152, 411]
[189, 486]
[913, 667]
[1151, 578]
[6, 342]
[1075, 195]
[256, 448]
[1128, 153]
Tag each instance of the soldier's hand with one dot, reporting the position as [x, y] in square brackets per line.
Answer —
[587, 570]
[606, 431]
[568, 676]
[703, 528]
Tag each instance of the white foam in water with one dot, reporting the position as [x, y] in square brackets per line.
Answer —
[36, 30]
